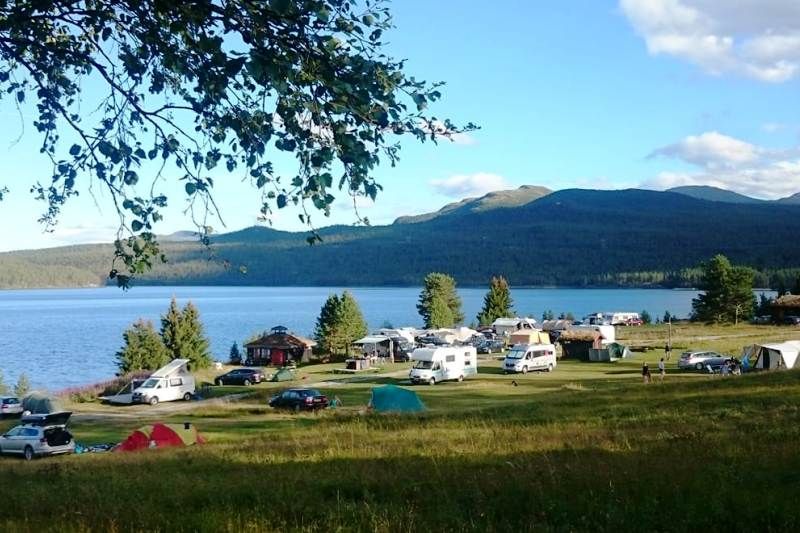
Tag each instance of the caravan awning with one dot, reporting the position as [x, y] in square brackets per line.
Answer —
[372, 339]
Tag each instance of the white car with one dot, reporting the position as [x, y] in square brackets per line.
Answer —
[697, 360]
[10, 405]
[38, 436]
[526, 357]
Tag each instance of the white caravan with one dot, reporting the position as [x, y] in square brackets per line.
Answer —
[526, 357]
[435, 364]
[170, 382]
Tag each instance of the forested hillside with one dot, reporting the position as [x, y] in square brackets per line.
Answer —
[570, 237]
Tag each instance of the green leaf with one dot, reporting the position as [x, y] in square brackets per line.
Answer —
[74, 150]
[136, 226]
[191, 188]
[281, 201]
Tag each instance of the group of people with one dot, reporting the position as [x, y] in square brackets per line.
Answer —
[662, 370]
[731, 366]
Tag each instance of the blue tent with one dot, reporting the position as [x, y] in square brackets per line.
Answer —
[392, 399]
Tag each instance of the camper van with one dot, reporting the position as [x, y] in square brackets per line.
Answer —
[170, 382]
[526, 357]
[434, 364]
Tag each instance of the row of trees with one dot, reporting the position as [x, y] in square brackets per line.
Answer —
[181, 337]
[22, 387]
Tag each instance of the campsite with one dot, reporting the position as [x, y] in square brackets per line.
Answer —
[589, 443]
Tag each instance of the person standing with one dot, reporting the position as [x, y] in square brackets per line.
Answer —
[662, 369]
[645, 373]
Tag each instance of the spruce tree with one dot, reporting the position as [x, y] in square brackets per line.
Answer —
[23, 386]
[440, 314]
[143, 349]
[172, 332]
[443, 286]
[728, 292]
[339, 324]
[353, 322]
[497, 303]
[235, 355]
[195, 344]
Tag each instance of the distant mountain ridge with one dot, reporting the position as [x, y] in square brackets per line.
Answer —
[714, 194]
[572, 237]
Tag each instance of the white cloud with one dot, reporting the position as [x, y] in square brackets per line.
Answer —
[711, 150]
[84, 234]
[470, 185]
[732, 164]
[754, 38]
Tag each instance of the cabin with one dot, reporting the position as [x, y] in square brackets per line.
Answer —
[785, 306]
[279, 347]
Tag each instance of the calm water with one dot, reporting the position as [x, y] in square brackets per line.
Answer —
[66, 337]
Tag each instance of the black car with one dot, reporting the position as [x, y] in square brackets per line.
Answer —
[299, 400]
[240, 376]
[491, 346]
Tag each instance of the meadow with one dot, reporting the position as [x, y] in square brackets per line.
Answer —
[588, 447]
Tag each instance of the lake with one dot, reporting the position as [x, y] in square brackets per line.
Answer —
[68, 337]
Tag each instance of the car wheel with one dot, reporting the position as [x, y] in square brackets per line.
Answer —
[28, 453]
[247, 383]
[550, 367]
[432, 382]
[218, 383]
[187, 396]
[524, 369]
[698, 366]
[154, 400]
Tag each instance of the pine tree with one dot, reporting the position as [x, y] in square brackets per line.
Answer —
[339, 324]
[443, 286]
[548, 315]
[172, 332]
[195, 343]
[728, 292]
[143, 349]
[235, 355]
[497, 303]
[440, 314]
[23, 386]
[645, 316]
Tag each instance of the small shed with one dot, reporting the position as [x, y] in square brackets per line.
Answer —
[786, 305]
[578, 343]
[279, 347]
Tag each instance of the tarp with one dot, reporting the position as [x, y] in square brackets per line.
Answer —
[38, 403]
[284, 374]
[161, 436]
[372, 339]
[393, 399]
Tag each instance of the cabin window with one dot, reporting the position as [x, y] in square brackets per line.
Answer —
[467, 361]
[450, 358]
[175, 382]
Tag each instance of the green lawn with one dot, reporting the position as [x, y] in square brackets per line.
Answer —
[588, 447]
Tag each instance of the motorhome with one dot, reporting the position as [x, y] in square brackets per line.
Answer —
[613, 319]
[170, 382]
[507, 326]
[434, 364]
[527, 357]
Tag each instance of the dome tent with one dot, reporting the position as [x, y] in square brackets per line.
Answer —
[160, 435]
[38, 403]
[393, 399]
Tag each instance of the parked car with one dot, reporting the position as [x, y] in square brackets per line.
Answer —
[10, 405]
[634, 322]
[299, 400]
[240, 376]
[697, 360]
[39, 436]
[791, 320]
[491, 346]
[762, 320]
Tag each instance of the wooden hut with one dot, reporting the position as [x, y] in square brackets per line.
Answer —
[577, 343]
[786, 306]
[279, 347]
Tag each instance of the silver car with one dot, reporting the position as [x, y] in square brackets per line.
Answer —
[10, 405]
[697, 360]
[39, 436]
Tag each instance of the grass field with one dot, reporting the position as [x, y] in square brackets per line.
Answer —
[588, 447]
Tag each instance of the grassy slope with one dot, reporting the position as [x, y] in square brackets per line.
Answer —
[587, 447]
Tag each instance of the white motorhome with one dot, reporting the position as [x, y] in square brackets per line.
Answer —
[170, 382]
[613, 319]
[526, 357]
[443, 363]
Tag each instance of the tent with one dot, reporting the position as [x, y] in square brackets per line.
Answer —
[528, 336]
[161, 436]
[284, 374]
[773, 356]
[38, 403]
[611, 352]
[393, 399]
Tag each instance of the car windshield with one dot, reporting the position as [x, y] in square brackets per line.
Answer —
[425, 365]
[149, 384]
[516, 354]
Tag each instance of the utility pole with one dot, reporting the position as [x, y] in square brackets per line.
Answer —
[669, 338]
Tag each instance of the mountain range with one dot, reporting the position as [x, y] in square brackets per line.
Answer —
[531, 235]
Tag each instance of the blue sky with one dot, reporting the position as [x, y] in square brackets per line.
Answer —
[576, 93]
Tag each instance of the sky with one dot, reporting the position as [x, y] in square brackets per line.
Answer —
[600, 94]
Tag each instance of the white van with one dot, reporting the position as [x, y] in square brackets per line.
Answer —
[435, 364]
[526, 357]
[168, 383]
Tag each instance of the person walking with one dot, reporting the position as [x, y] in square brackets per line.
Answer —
[662, 370]
[645, 373]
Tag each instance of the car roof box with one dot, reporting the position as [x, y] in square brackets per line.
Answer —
[49, 419]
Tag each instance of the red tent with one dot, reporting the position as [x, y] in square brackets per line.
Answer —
[161, 436]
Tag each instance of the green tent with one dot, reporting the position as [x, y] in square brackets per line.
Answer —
[392, 399]
[40, 404]
[284, 374]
